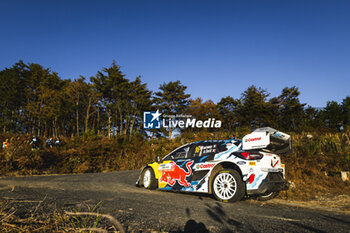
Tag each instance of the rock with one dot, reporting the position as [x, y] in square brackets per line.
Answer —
[345, 176]
[291, 184]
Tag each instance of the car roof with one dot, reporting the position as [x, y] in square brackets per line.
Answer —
[205, 141]
[213, 141]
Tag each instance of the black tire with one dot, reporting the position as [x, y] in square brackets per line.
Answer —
[228, 186]
[152, 184]
[267, 196]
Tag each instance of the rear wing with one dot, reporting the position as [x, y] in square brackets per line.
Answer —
[269, 139]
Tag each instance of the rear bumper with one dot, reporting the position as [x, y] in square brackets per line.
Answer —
[274, 182]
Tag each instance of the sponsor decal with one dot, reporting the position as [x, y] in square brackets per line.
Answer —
[198, 148]
[255, 182]
[166, 166]
[217, 156]
[204, 166]
[208, 149]
[251, 178]
[252, 163]
[175, 173]
[275, 164]
[253, 139]
[202, 150]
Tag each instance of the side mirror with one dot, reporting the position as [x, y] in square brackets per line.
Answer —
[158, 159]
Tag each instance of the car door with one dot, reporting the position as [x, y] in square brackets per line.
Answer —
[203, 154]
[176, 169]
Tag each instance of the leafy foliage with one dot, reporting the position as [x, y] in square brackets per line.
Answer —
[172, 99]
[35, 100]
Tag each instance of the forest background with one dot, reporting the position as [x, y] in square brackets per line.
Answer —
[100, 123]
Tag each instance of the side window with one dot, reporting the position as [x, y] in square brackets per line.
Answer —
[223, 146]
[180, 153]
[227, 144]
[204, 149]
[197, 152]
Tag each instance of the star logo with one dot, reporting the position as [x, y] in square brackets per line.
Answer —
[152, 120]
[156, 115]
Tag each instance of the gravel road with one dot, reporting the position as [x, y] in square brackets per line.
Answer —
[140, 210]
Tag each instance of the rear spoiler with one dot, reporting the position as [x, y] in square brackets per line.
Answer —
[269, 139]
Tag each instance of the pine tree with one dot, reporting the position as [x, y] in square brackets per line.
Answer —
[172, 99]
[290, 110]
[253, 110]
[227, 108]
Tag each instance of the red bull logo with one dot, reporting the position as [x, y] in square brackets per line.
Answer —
[174, 172]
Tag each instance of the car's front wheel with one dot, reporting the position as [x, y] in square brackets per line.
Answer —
[227, 186]
[148, 179]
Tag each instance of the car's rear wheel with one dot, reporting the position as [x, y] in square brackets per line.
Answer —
[148, 179]
[228, 186]
[267, 196]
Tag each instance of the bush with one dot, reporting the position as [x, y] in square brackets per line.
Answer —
[310, 166]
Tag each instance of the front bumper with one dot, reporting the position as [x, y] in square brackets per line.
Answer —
[273, 182]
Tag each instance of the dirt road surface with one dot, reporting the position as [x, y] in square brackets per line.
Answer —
[140, 210]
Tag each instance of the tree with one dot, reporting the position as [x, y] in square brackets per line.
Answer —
[111, 86]
[253, 110]
[227, 108]
[123, 100]
[172, 99]
[345, 108]
[84, 101]
[138, 101]
[333, 115]
[289, 108]
[202, 110]
[312, 119]
[12, 97]
[43, 99]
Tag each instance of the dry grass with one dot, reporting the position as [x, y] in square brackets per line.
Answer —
[312, 167]
[339, 203]
[56, 222]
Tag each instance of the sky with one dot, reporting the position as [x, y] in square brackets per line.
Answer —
[216, 48]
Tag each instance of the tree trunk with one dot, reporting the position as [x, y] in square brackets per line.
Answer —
[77, 115]
[98, 121]
[109, 125]
[39, 129]
[126, 125]
[121, 123]
[87, 115]
[55, 127]
[132, 126]
[77, 120]
[46, 130]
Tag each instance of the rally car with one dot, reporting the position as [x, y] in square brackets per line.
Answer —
[228, 169]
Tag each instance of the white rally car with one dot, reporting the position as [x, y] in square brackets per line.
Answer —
[228, 169]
